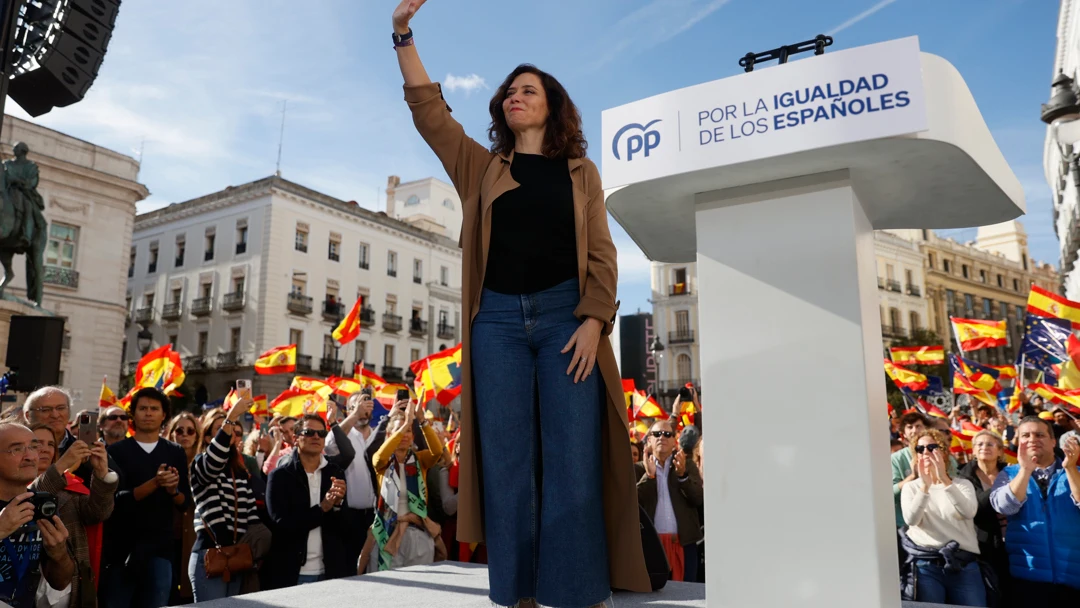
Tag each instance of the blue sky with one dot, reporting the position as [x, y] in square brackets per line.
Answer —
[198, 85]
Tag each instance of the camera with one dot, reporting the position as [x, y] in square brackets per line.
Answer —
[685, 395]
[45, 505]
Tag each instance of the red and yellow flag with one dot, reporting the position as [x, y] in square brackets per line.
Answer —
[312, 385]
[1004, 371]
[280, 360]
[349, 328]
[967, 433]
[387, 394]
[258, 408]
[628, 389]
[933, 410]
[1047, 304]
[905, 378]
[638, 430]
[439, 375]
[920, 355]
[366, 377]
[975, 334]
[107, 398]
[1010, 457]
[160, 368]
[344, 386]
[1055, 394]
[295, 402]
[645, 406]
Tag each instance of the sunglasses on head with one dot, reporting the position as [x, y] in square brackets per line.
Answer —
[659, 434]
[919, 449]
[115, 417]
[184, 430]
[314, 433]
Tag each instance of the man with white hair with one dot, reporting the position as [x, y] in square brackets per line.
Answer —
[51, 405]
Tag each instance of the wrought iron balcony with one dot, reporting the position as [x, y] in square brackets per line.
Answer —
[144, 316]
[391, 322]
[196, 363]
[391, 273]
[228, 360]
[367, 317]
[233, 301]
[893, 285]
[445, 332]
[881, 283]
[679, 289]
[681, 336]
[303, 363]
[392, 374]
[891, 331]
[329, 366]
[914, 290]
[332, 311]
[172, 312]
[201, 307]
[64, 277]
[417, 327]
[418, 280]
[300, 304]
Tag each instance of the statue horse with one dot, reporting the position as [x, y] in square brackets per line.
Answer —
[20, 234]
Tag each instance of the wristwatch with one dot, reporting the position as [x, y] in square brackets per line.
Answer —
[405, 39]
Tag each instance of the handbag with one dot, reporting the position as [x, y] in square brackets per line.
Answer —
[224, 561]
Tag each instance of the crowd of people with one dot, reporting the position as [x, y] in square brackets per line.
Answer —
[975, 530]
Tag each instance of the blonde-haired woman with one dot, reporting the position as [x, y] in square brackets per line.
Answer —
[942, 563]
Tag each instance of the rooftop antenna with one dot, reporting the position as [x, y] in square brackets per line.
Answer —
[281, 136]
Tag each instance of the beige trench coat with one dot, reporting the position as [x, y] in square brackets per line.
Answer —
[480, 177]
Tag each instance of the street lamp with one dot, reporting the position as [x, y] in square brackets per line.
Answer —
[657, 350]
[145, 340]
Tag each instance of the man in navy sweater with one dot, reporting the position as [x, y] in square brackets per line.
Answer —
[138, 550]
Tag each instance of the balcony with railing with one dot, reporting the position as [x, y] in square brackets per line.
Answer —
[144, 316]
[881, 282]
[681, 336]
[299, 304]
[391, 322]
[679, 289]
[368, 366]
[914, 290]
[673, 386]
[893, 285]
[445, 332]
[893, 331]
[202, 307]
[172, 311]
[233, 302]
[332, 311]
[228, 360]
[329, 366]
[64, 277]
[392, 374]
[303, 363]
[196, 363]
[367, 317]
[418, 280]
[417, 327]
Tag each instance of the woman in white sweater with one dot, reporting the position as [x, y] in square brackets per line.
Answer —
[940, 514]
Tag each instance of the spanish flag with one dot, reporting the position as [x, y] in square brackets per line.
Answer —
[975, 334]
[645, 406]
[1055, 394]
[933, 410]
[638, 430]
[440, 375]
[967, 433]
[280, 360]
[312, 385]
[628, 389]
[258, 408]
[349, 328]
[905, 378]
[1047, 304]
[344, 386]
[956, 446]
[161, 369]
[294, 402]
[920, 355]
[1010, 457]
[230, 400]
[366, 377]
[107, 398]
[1004, 371]
[387, 394]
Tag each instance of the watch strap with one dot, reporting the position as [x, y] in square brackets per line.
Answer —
[405, 39]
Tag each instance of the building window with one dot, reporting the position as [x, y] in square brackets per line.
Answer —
[391, 307]
[391, 264]
[388, 355]
[679, 283]
[180, 248]
[969, 304]
[683, 368]
[964, 271]
[361, 350]
[177, 295]
[299, 284]
[449, 204]
[418, 272]
[1020, 310]
[296, 337]
[988, 309]
[172, 341]
[328, 347]
[950, 302]
[334, 248]
[60, 250]
[412, 201]
[148, 300]
[894, 319]
[151, 268]
[241, 237]
[131, 264]
[444, 276]
[982, 276]
[444, 318]
[209, 249]
[946, 265]
[1001, 281]
[1016, 284]
[414, 354]
[930, 260]
[890, 272]
[203, 343]
[682, 321]
[301, 238]
[1024, 257]
[915, 321]
[234, 339]
[238, 285]
[364, 263]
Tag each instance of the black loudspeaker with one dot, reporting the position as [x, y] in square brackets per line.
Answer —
[33, 351]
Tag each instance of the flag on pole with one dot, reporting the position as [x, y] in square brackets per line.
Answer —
[917, 355]
[312, 385]
[349, 328]
[280, 360]
[1048, 304]
[628, 389]
[295, 402]
[343, 386]
[645, 406]
[905, 378]
[983, 377]
[439, 375]
[1055, 394]
[258, 408]
[975, 334]
[107, 398]
[366, 377]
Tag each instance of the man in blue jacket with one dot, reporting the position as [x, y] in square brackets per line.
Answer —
[1041, 498]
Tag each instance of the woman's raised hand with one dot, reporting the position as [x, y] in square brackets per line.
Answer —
[403, 14]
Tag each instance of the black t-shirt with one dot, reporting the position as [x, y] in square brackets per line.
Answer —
[533, 240]
[20, 558]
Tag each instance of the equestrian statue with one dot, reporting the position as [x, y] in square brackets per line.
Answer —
[22, 222]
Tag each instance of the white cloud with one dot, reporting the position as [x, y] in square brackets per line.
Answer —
[468, 84]
[650, 25]
[857, 18]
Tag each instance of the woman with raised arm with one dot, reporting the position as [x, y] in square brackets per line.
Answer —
[538, 295]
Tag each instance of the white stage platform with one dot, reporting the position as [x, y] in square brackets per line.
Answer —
[443, 585]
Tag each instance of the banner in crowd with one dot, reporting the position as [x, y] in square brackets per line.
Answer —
[917, 355]
[280, 360]
[976, 334]
[439, 375]
[349, 328]
[1047, 304]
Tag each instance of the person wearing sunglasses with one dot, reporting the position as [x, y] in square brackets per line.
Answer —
[114, 423]
[941, 565]
[305, 497]
[670, 491]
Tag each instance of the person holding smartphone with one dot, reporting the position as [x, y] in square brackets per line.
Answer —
[360, 474]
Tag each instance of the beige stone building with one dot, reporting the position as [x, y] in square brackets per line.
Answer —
[901, 287]
[986, 279]
[90, 195]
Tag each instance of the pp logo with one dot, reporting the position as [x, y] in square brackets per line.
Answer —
[645, 141]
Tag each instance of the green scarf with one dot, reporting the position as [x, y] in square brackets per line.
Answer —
[386, 515]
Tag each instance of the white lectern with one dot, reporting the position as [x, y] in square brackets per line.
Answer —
[775, 180]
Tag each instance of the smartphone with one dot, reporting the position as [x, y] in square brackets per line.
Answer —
[88, 428]
[243, 387]
[45, 504]
[684, 394]
[402, 394]
[367, 390]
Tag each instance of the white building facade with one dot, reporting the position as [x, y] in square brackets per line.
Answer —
[901, 286]
[90, 195]
[232, 274]
[1060, 163]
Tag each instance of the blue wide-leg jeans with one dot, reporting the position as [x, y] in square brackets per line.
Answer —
[540, 450]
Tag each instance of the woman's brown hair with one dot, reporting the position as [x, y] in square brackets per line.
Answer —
[207, 424]
[175, 422]
[41, 426]
[563, 139]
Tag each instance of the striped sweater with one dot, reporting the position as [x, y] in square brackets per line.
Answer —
[215, 502]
